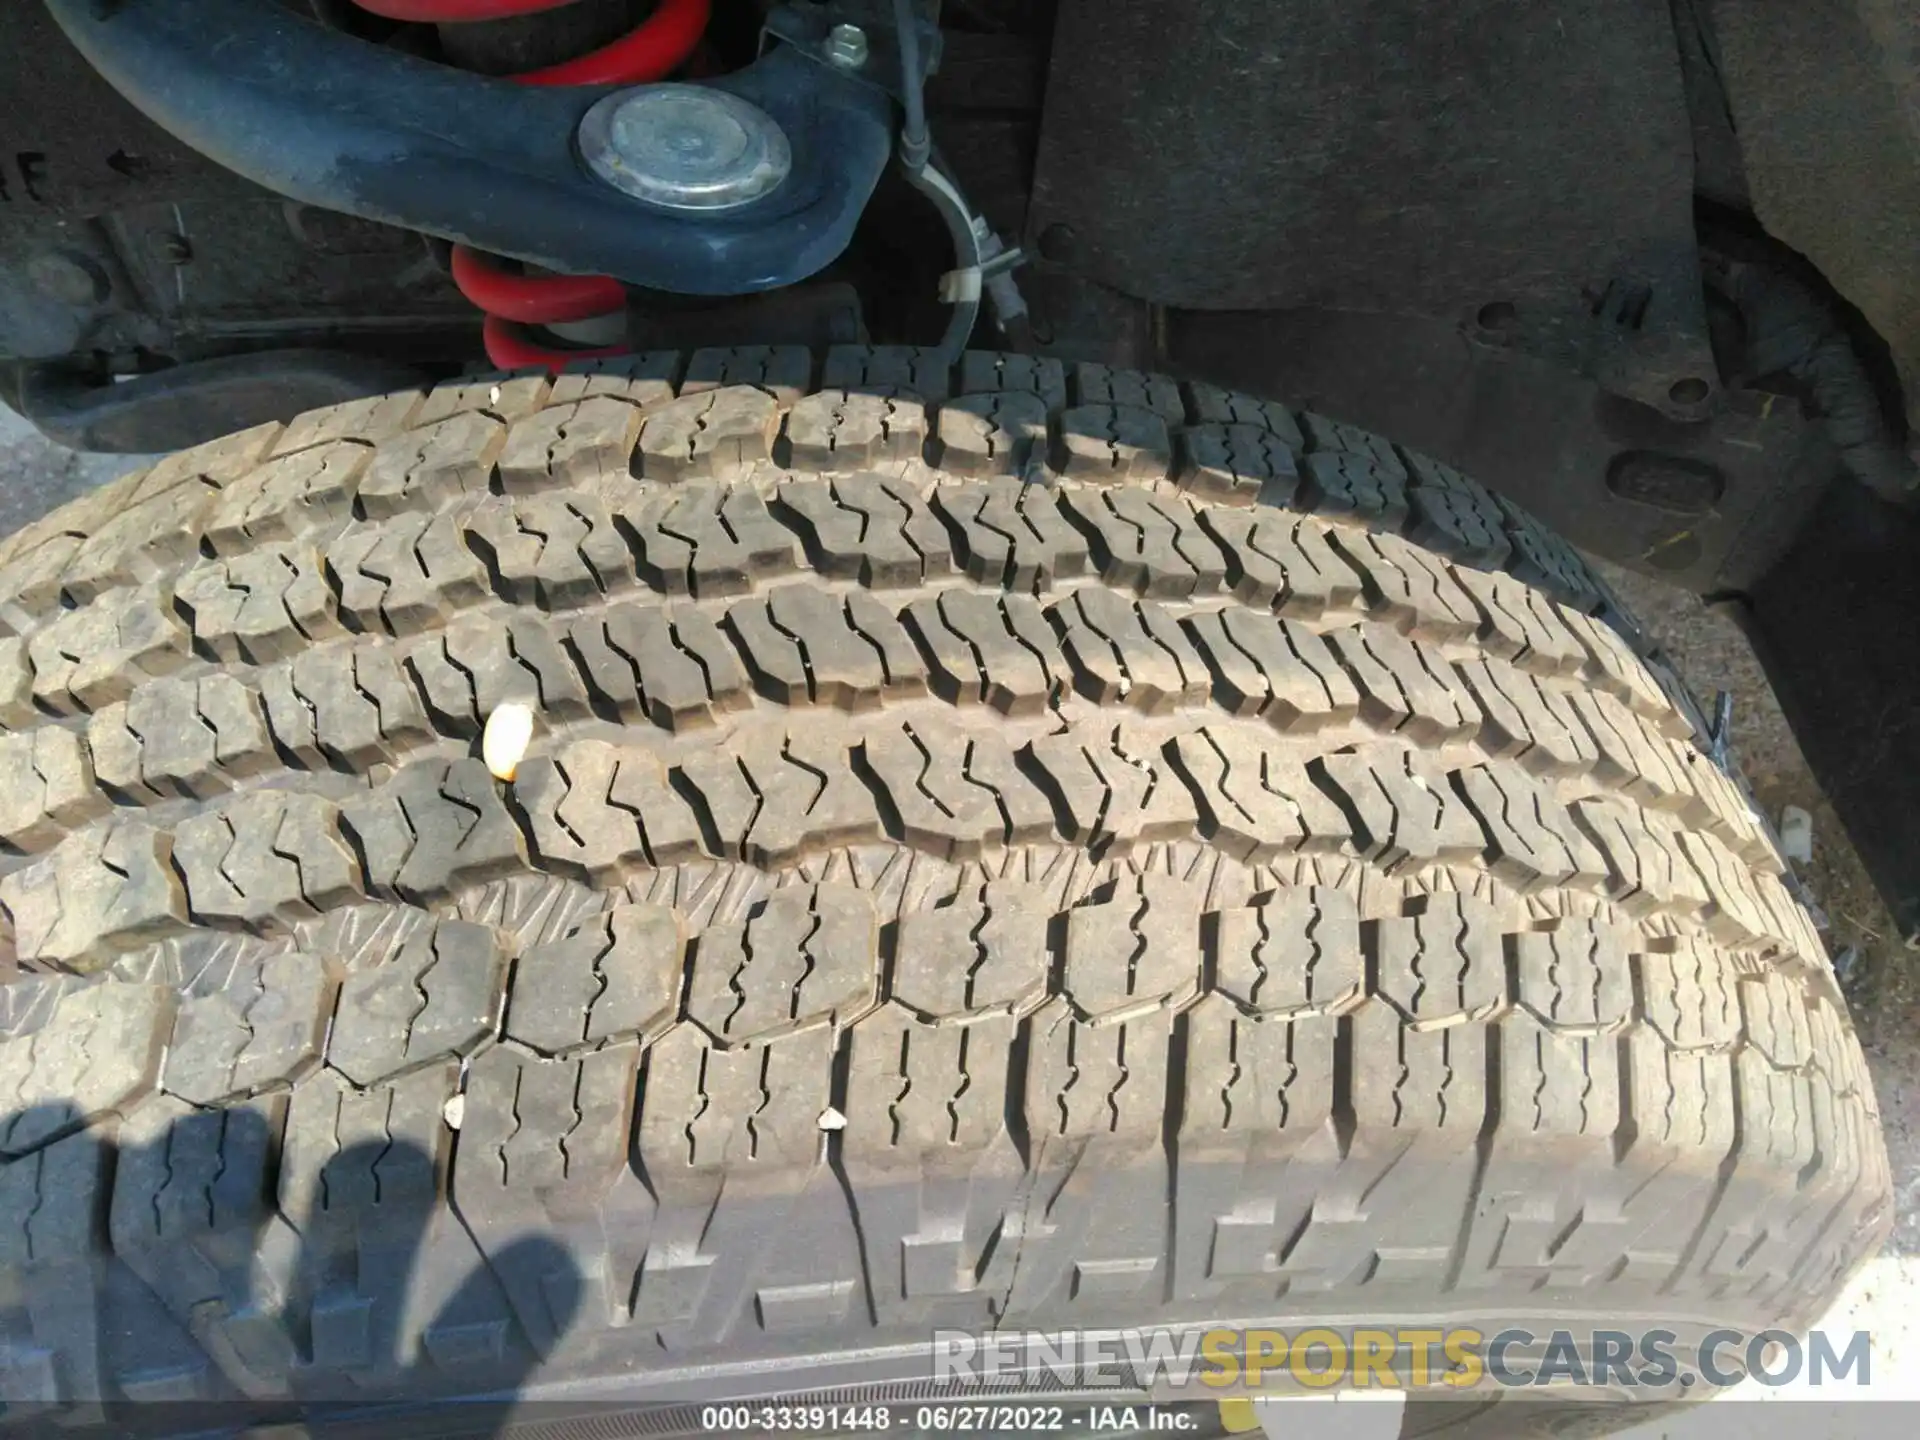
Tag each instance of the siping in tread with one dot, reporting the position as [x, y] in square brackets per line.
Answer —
[1008, 843]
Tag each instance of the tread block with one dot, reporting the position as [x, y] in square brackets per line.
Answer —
[1612, 665]
[709, 435]
[1403, 811]
[438, 463]
[580, 444]
[143, 543]
[1454, 515]
[836, 431]
[989, 435]
[305, 493]
[573, 825]
[754, 1109]
[501, 395]
[98, 1055]
[1682, 1099]
[1134, 953]
[100, 891]
[556, 550]
[993, 650]
[1339, 484]
[1113, 445]
[368, 420]
[1521, 625]
[1042, 377]
[1573, 979]
[643, 379]
[984, 954]
[50, 787]
[594, 809]
[349, 1151]
[1789, 919]
[549, 1134]
[782, 371]
[1212, 405]
[261, 605]
[707, 540]
[1254, 802]
[16, 685]
[1733, 814]
[1734, 913]
[1776, 1020]
[1324, 434]
[404, 575]
[916, 1088]
[266, 861]
[613, 977]
[187, 1181]
[347, 705]
[1097, 1080]
[1441, 962]
[770, 807]
[51, 1200]
[432, 829]
[1645, 872]
[871, 528]
[1255, 1075]
[1295, 955]
[668, 665]
[1629, 759]
[952, 791]
[1531, 838]
[89, 658]
[1544, 561]
[1095, 384]
[438, 997]
[918, 370]
[30, 584]
[479, 664]
[1149, 543]
[1274, 668]
[1012, 534]
[1126, 650]
[192, 1217]
[217, 463]
[806, 645]
[1526, 721]
[1556, 1083]
[189, 738]
[1113, 787]
[1410, 589]
[807, 959]
[265, 1028]
[1283, 562]
[1406, 687]
[1237, 465]
[1690, 994]
[1409, 1079]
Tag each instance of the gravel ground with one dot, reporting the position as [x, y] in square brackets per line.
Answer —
[1713, 655]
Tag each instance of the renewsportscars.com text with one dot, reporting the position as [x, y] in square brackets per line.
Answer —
[1398, 1357]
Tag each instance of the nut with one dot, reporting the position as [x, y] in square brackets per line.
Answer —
[846, 47]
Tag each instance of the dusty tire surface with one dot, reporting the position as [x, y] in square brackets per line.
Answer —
[1007, 844]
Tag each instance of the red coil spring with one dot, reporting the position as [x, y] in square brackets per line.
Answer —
[510, 300]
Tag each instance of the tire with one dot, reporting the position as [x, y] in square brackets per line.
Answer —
[1014, 845]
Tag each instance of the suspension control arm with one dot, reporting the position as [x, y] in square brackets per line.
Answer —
[325, 118]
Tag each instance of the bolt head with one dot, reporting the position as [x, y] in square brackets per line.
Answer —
[846, 47]
[685, 147]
